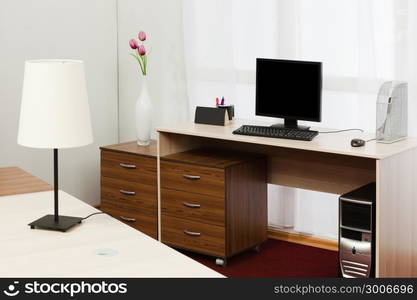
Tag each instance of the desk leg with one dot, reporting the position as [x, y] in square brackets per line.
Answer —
[396, 215]
[158, 172]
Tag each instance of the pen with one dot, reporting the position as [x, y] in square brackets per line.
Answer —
[217, 101]
[222, 103]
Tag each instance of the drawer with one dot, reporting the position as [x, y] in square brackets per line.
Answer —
[146, 223]
[129, 167]
[195, 207]
[129, 194]
[195, 236]
[192, 178]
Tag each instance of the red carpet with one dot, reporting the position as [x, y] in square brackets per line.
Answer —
[277, 259]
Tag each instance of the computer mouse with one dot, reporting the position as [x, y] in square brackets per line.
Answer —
[357, 142]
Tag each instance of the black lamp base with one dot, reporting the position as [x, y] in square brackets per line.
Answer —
[48, 222]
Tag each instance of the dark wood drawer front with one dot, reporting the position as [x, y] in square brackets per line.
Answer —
[195, 207]
[129, 167]
[146, 223]
[192, 178]
[129, 194]
[195, 236]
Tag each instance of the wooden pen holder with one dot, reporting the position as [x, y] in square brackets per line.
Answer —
[212, 115]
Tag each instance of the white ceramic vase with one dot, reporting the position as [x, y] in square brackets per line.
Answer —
[143, 112]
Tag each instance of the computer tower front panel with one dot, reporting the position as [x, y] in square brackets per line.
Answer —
[355, 253]
[357, 232]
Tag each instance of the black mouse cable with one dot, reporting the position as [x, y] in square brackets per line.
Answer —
[336, 131]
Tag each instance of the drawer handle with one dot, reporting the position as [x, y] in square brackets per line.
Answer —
[128, 192]
[191, 205]
[192, 233]
[191, 177]
[127, 219]
[127, 166]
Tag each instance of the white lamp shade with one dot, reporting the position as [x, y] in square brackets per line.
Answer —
[54, 111]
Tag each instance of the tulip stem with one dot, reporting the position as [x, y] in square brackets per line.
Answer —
[142, 64]
[145, 63]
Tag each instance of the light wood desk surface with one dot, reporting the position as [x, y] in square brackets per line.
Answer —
[41, 253]
[330, 164]
[337, 143]
[25, 252]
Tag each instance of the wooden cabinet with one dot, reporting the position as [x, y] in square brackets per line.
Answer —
[192, 178]
[193, 206]
[129, 185]
[213, 202]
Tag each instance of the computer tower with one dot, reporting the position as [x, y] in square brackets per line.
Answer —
[357, 232]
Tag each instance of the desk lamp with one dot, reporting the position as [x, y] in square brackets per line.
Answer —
[54, 114]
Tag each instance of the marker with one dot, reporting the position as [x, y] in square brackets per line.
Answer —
[217, 101]
[222, 103]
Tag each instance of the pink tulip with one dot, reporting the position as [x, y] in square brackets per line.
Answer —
[141, 50]
[142, 36]
[133, 44]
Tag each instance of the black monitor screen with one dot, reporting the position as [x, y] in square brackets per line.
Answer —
[288, 89]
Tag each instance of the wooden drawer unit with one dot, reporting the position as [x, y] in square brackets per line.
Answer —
[213, 201]
[192, 178]
[195, 236]
[146, 223]
[192, 206]
[129, 185]
[129, 194]
[129, 167]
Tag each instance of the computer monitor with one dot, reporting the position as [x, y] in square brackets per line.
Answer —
[289, 89]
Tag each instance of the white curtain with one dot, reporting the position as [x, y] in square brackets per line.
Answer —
[361, 43]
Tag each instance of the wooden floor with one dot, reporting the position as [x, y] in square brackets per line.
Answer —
[16, 181]
[302, 239]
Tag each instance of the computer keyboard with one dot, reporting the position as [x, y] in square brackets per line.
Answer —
[277, 132]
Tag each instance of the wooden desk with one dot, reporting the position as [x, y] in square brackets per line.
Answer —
[16, 181]
[330, 164]
[42, 253]
[129, 185]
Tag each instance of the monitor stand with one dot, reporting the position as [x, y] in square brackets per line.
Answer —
[291, 123]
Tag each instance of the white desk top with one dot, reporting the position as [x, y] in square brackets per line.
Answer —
[338, 143]
[40, 253]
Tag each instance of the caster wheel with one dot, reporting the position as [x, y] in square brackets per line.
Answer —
[32, 227]
[221, 262]
[257, 248]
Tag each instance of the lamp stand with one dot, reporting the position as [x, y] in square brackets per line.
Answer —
[55, 221]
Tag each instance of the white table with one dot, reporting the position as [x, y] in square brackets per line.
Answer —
[25, 252]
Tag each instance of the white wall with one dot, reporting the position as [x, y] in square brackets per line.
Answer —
[162, 21]
[78, 29]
